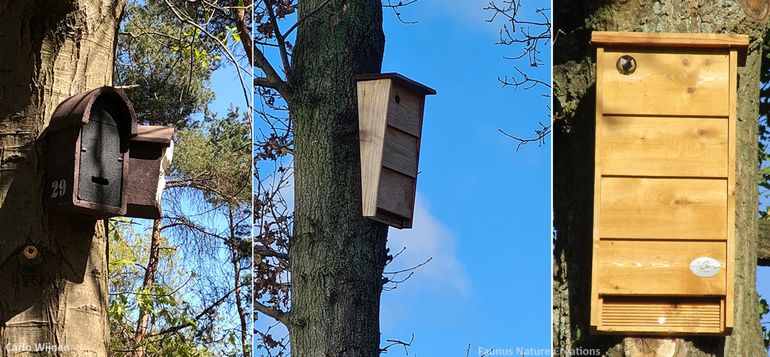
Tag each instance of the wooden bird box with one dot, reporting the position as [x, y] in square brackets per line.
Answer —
[390, 110]
[150, 155]
[664, 183]
[87, 153]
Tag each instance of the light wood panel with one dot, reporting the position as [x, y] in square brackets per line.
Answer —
[643, 267]
[396, 194]
[664, 146]
[729, 301]
[663, 208]
[690, 40]
[401, 151]
[595, 318]
[666, 84]
[405, 110]
[372, 110]
[661, 315]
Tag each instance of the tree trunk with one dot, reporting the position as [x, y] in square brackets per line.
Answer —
[236, 255]
[337, 256]
[56, 303]
[574, 93]
[147, 283]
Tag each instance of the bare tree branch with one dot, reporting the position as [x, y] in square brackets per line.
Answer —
[277, 315]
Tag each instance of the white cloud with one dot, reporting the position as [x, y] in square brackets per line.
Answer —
[427, 239]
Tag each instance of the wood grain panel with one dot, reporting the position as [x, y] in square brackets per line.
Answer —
[401, 152]
[639, 267]
[372, 110]
[692, 83]
[729, 303]
[664, 146]
[661, 315]
[405, 110]
[708, 40]
[663, 208]
[396, 193]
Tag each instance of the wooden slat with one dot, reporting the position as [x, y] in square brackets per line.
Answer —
[405, 110]
[691, 84]
[688, 40]
[643, 267]
[372, 108]
[663, 208]
[401, 152]
[396, 193]
[664, 146]
[595, 301]
[661, 315]
[729, 302]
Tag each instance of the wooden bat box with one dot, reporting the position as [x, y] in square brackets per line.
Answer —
[390, 111]
[150, 155]
[664, 183]
[87, 153]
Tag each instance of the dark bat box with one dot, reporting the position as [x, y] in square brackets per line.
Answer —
[87, 153]
[150, 155]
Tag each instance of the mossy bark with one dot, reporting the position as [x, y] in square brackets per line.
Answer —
[337, 256]
[574, 97]
[58, 303]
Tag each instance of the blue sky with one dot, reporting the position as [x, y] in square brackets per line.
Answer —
[483, 208]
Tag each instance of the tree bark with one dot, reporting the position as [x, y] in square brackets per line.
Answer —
[763, 251]
[57, 303]
[574, 94]
[337, 256]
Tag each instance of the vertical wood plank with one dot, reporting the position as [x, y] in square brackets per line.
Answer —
[372, 115]
[732, 137]
[595, 306]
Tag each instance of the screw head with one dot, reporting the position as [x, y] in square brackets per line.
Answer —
[30, 252]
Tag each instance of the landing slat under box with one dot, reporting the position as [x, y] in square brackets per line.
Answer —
[661, 314]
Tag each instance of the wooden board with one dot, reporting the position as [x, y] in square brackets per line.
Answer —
[661, 315]
[664, 146]
[662, 208]
[372, 110]
[730, 299]
[396, 193]
[400, 151]
[405, 110]
[644, 267]
[688, 83]
[690, 40]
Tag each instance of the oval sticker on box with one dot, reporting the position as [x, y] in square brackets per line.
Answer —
[705, 267]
